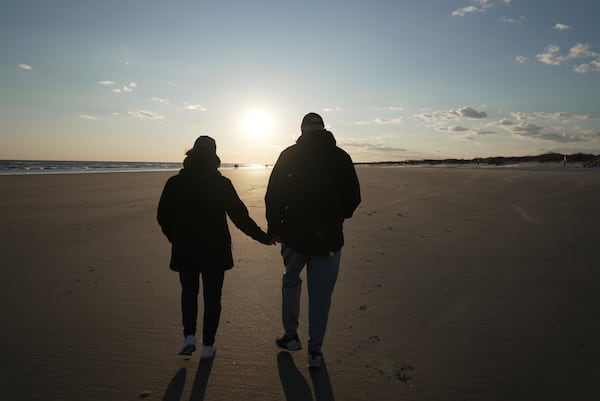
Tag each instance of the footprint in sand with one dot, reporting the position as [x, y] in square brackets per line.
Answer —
[387, 369]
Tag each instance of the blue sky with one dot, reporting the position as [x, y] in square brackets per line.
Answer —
[139, 80]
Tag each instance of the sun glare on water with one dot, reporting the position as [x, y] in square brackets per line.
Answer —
[257, 123]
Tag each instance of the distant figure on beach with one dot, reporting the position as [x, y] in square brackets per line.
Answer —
[192, 213]
[313, 187]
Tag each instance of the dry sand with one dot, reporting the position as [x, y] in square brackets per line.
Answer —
[455, 284]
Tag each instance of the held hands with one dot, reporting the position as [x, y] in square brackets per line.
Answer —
[270, 239]
[273, 239]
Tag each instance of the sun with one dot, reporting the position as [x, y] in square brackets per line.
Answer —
[257, 123]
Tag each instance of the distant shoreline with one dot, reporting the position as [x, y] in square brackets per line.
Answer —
[34, 167]
[580, 159]
[549, 160]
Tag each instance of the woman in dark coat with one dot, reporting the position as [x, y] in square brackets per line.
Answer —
[192, 214]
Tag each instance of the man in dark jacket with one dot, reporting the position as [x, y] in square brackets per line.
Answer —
[313, 187]
[192, 214]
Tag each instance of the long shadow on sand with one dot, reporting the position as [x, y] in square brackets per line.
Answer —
[295, 386]
[175, 389]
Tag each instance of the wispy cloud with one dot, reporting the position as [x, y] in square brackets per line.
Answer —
[476, 6]
[160, 100]
[556, 127]
[483, 131]
[445, 121]
[452, 128]
[469, 112]
[371, 146]
[521, 59]
[128, 88]
[461, 12]
[553, 56]
[88, 117]
[471, 135]
[464, 112]
[591, 135]
[528, 130]
[381, 121]
[145, 114]
[194, 107]
[25, 67]
[561, 27]
[512, 21]
[557, 116]
[524, 128]
[388, 108]
[582, 68]
[329, 109]
[386, 121]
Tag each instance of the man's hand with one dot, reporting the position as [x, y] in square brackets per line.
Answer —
[270, 241]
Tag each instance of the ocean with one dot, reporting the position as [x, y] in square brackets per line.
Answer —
[16, 167]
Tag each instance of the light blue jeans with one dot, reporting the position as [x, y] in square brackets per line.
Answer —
[321, 274]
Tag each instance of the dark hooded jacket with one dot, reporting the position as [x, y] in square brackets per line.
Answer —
[313, 187]
[192, 213]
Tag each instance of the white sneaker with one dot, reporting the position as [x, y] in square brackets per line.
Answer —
[189, 345]
[208, 351]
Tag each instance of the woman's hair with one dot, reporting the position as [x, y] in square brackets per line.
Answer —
[203, 155]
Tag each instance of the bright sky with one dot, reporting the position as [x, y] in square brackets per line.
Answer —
[139, 80]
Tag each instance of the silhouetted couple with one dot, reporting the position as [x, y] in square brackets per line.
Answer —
[313, 188]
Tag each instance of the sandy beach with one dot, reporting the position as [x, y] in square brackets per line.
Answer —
[455, 284]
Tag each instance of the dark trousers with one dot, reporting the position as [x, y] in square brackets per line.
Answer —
[212, 286]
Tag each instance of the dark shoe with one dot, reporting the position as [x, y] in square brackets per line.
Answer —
[315, 359]
[291, 343]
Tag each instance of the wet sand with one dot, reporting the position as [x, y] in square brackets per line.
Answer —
[455, 284]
